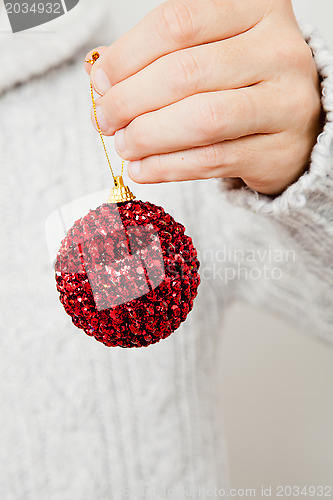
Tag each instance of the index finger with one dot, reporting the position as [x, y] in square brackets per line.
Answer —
[174, 25]
[88, 61]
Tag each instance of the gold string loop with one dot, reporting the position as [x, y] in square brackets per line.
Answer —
[94, 57]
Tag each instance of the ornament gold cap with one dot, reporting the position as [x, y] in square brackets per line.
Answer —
[120, 193]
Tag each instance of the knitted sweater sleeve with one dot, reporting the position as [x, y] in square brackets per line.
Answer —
[302, 221]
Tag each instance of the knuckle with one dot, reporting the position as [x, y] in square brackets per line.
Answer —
[285, 152]
[207, 156]
[291, 160]
[293, 52]
[307, 105]
[160, 170]
[178, 21]
[234, 156]
[242, 156]
[118, 104]
[182, 73]
[138, 136]
[210, 118]
[284, 53]
[247, 105]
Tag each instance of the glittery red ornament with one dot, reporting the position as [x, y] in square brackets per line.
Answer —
[127, 274]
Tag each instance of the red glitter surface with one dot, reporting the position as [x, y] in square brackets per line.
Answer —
[127, 274]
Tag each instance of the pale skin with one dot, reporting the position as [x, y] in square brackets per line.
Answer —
[211, 88]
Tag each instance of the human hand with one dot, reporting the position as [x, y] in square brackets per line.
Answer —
[224, 88]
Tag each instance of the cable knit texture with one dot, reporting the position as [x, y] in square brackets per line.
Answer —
[80, 421]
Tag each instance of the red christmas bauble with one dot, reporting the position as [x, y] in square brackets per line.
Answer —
[127, 274]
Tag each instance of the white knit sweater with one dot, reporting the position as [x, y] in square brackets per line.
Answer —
[80, 421]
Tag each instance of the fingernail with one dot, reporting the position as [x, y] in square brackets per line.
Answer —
[100, 81]
[119, 140]
[134, 168]
[102, 122]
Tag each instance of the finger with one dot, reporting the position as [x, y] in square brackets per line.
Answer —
[234, 158]
[203, 119]
[174, 25]
[206, 68]
[266, 163]
[88, 59]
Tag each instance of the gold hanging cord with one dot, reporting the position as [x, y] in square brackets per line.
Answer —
[120, 192]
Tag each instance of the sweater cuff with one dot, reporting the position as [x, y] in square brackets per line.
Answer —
[319, 176]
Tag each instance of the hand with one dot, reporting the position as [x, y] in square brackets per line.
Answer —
[221, 88]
